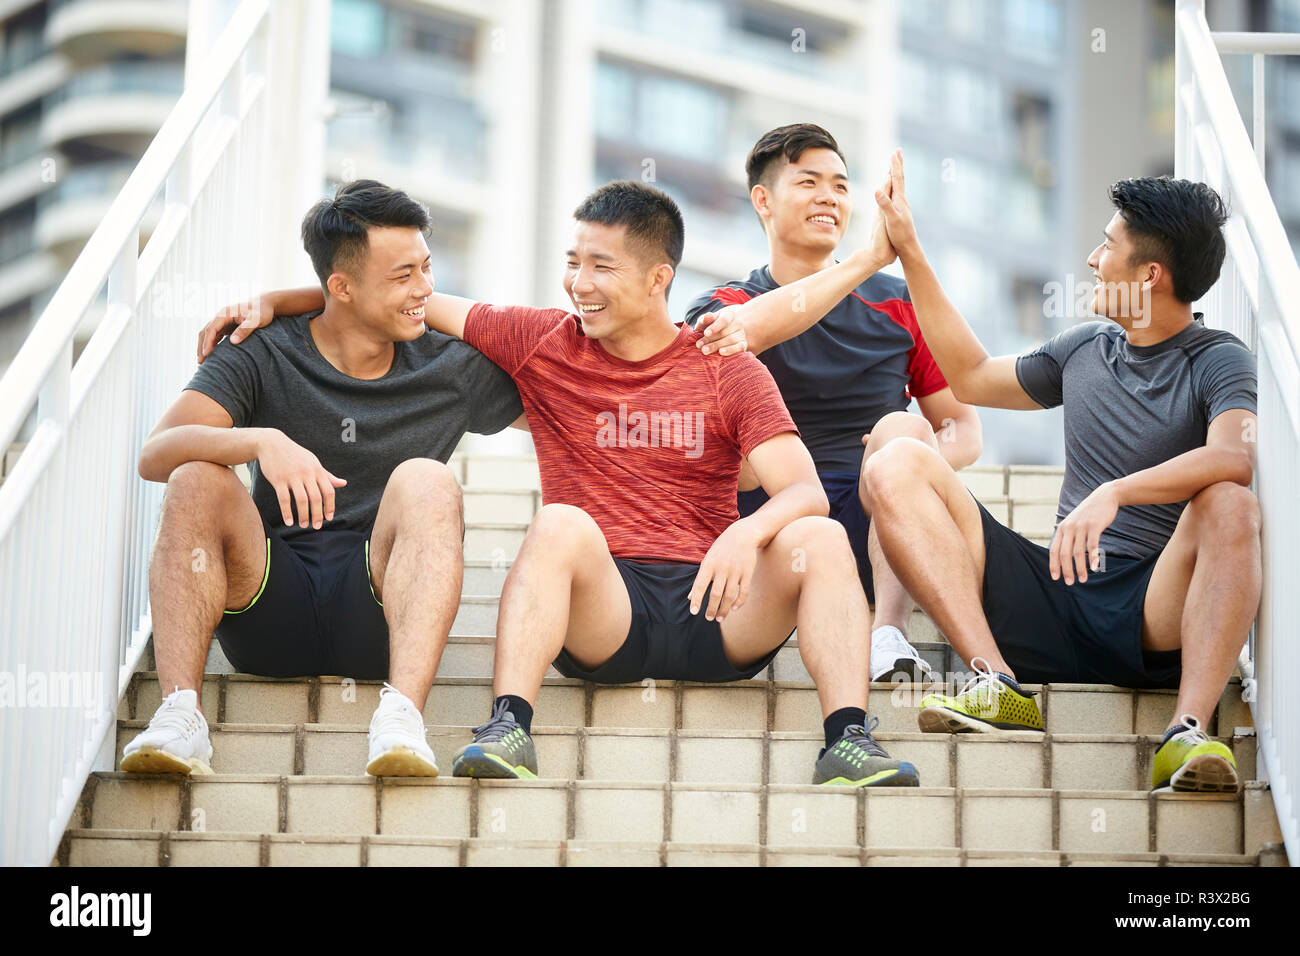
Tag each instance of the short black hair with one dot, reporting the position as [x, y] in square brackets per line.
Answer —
[788, 143]
[1177, 223]
[653, 221]
[334, 230]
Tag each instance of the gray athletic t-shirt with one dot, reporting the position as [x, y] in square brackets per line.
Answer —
[1131, 407]
[437, 389]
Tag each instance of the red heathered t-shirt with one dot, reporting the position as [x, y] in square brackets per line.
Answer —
[651, 449]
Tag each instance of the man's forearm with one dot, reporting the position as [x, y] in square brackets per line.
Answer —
[168, 450]
[781, 314]
[802, 499]
[297, 301]
[955, 348]
[1178, 479]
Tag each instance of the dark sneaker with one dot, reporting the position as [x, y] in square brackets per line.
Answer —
[501, 749]
[856, 760]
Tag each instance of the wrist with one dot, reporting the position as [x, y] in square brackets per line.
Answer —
[1118, 490]
[910, 251]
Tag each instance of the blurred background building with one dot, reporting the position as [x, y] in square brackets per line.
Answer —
[1014, 117]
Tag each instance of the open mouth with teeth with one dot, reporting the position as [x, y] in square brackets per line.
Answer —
[587, 308]
[823, 220]
[416, 313]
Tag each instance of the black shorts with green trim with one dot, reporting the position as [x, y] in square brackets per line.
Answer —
[316, 612]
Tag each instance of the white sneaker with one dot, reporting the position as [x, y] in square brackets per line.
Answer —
[176, 740]
[891, 654]
[398, 747]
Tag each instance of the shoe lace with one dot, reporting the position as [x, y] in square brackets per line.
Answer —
[398, 717]
[501, 723]
[861, 735]
[171, 716]
[984, 685]
[1193, 734]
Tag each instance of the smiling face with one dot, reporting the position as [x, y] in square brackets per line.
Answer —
[609, 282]
[808, 203]
[388, 289]
[1118, 293]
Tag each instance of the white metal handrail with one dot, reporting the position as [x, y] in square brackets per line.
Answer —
[76, 524]
[1257, 298]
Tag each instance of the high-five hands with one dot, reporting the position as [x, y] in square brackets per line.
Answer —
[891, 201]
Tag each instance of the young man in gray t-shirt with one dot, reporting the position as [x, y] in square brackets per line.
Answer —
[347, 557]
[1153, 574]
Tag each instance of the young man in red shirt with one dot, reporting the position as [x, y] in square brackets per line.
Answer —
[637, 564]
[842, 342]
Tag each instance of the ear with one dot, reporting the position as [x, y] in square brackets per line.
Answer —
[660, 277]
[339, 285]
[1152, 275]
[761, 200]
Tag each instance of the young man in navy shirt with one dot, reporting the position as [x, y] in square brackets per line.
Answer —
[842, 342]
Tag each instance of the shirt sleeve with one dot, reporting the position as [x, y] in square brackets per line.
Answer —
[713, 300]
[231, 378]
[509, 334]
[491, 393]
[924, 377]
[1224, 377]
[1040, 371]
[751, 404]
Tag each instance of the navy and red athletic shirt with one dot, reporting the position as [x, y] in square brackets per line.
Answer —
[864, 359]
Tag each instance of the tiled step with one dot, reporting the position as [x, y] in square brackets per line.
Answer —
[158, 848]
[754, 705]
[1034, 821]
[1119, 762]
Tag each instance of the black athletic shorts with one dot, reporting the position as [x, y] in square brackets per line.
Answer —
[665, 641]
[1087, 632]
[315, 614]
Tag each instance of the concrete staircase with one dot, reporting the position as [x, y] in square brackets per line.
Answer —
[665, 773]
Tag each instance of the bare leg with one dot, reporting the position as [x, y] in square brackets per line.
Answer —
[931, 534]
[209, 557]
[1204, 593]
[893, 603]
[563, 591]
[807, 576]
[416, 567]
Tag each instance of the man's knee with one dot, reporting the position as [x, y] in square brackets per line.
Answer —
[814, 540]
[1226, 511]
[564, 531]
[896, 468]
[194, 487]
[425, 483]
[902, 425]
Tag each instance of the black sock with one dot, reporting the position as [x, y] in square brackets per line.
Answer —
[1177, 728]
[522, 710]
[844, 717]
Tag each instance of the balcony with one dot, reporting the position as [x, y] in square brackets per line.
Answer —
[116, 107]
[87, 30]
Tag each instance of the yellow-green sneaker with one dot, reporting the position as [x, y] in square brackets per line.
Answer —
[1190, 762]
[986, 704]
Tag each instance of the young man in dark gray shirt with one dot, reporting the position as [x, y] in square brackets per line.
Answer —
[1153, 575]
[347, 557]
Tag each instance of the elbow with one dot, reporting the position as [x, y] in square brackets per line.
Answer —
[1243, 468]
[819, 502]
[148, 467]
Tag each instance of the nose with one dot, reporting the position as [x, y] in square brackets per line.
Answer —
[582, 281]
[425, 287]
[1094, 259]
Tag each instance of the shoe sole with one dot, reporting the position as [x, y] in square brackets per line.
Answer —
[1208, 773]
[910, 669]
[150, 759]
[940, 720]
[904, 776]
[475, 763]
[401, 762]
